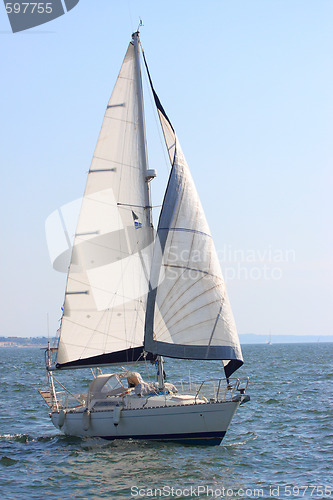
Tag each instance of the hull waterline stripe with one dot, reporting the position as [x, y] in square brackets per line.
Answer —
[176, 436]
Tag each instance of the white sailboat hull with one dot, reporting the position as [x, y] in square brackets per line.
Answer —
[204, 423]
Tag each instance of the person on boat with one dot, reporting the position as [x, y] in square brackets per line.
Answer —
[133, 379]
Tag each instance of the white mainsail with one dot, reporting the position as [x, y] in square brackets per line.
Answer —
[105, 301]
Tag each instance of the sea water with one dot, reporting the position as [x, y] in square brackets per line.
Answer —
[279, 445]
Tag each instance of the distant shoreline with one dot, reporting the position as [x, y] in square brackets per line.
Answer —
[245, 338]
[40, 342]
[252, 338]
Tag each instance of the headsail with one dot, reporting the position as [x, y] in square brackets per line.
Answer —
[188, 313]
[105, 301]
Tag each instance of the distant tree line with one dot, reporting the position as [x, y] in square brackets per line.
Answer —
[27, 341]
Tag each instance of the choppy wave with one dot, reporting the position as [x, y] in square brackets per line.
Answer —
[7, 462]
[20, 438]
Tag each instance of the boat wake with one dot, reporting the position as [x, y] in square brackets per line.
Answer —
[249, 436]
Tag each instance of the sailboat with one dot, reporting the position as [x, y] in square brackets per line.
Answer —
[135, 296]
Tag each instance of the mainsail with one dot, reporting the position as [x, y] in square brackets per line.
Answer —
[188, 311]
[106, 292]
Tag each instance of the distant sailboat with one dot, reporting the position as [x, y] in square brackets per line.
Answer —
[133, 297]
[269, 341]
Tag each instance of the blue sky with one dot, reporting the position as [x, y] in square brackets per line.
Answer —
[248, 87]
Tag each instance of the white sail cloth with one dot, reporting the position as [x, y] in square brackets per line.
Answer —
[105, 301]
[188, 313]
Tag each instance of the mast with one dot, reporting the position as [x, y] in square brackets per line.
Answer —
[150, 174]
[142, 126]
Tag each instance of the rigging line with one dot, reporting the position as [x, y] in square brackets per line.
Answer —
[157, 100]
[119, 120]
[185, 230]
[146, 278]
[85, 346]
[147, 371]
[131, 205]
[127, 94]
[64, 228]
[193, 237]
[174, 215]
[100, 289]
[214, 328]
[114, 161]
[129, 335]
[125, 206]
[69, 392]
[122, 164]
[91, 198]
[131, 89]
[137, 316]
[130, 15]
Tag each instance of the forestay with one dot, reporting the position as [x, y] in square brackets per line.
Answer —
[105, 301]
